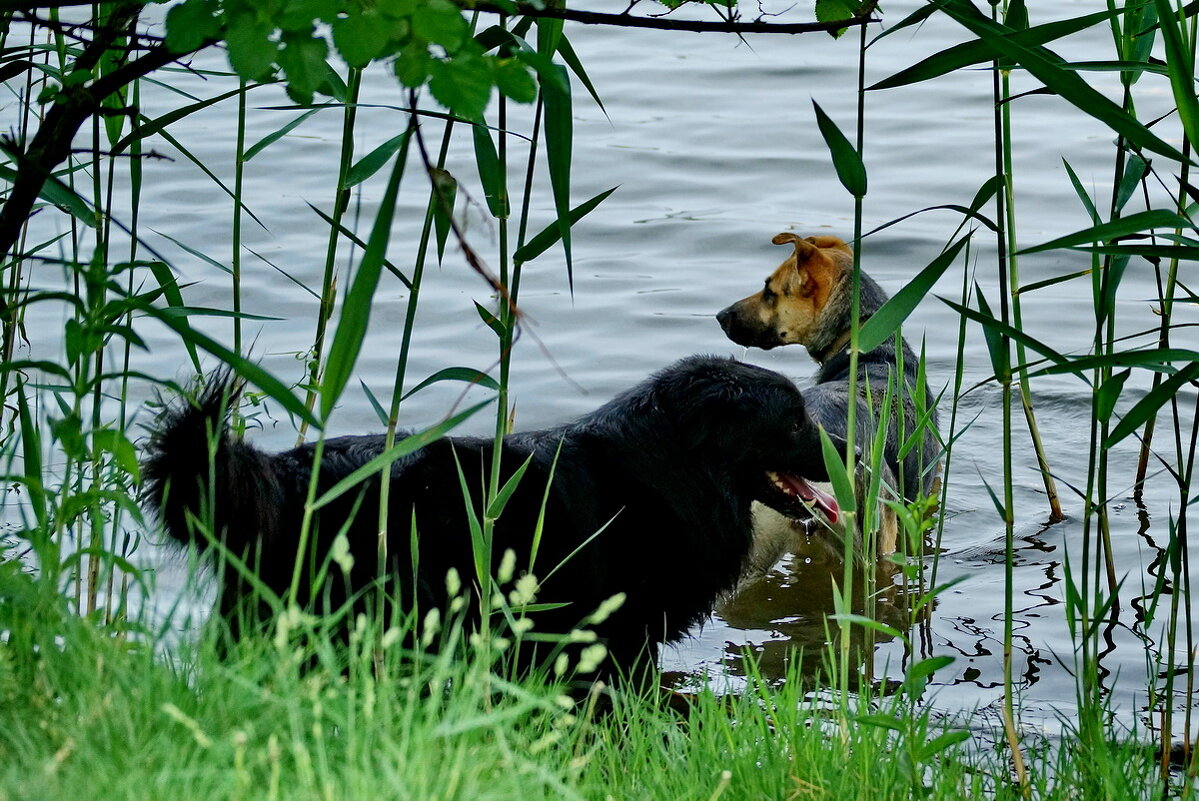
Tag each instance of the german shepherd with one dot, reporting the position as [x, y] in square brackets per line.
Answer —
[808, 301]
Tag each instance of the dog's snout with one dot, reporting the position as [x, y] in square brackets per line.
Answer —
[725, 318]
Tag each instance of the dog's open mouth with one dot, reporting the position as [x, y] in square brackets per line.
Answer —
[798, 488]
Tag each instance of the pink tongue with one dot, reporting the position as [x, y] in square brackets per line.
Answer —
[823, 501]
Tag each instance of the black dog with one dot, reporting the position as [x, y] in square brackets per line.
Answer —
[665, 473]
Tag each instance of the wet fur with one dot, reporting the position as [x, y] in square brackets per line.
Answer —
[668, 470]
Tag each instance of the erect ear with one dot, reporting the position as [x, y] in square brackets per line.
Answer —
[831, 242]
[810, 272]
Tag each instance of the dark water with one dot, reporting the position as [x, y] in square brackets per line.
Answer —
[714, 147]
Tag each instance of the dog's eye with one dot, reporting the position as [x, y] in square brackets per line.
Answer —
[768, 294]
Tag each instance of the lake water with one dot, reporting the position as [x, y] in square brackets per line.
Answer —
[713, 144]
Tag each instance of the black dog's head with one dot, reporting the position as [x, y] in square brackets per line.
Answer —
[750, 422]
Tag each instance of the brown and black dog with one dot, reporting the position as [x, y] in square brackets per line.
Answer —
[808, 301]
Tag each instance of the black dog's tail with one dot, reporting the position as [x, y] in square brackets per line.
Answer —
[203, 483]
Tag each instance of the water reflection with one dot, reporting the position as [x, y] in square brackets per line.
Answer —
[786, 614]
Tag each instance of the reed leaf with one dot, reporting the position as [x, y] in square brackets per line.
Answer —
[978, 52]
[373, 161]
[553, 232]
[559, 134]
[883, 323]
[402, 448]
[1147, 406]
[467, 374]
[356, 310]
[846, 160]
[266, 141]
[1121, 226]
[56, 192]
[1182, 70]
[1045, 66]
[242, 367]
[990, 323]
[495, 183]
[834, 462]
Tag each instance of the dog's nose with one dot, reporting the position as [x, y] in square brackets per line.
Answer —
[725, 318]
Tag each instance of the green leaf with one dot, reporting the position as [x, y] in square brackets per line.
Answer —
[462, 84]
[846, 160]
[1045, 66]
[1147, 406]
[997, 343]
[572, 60]
[356, 310]
[444, 195]
[552, 232]
[271, 138]
[413, 65]
[54, 191]
[977, 52]
[513, 79]
[493, 322]
[373, 161]
[559, 136]
[883, 323]
[1105, 397]
[400, 449]
[1083, 196]
[496, 508]
[834, 462]
[250, 48]
[166, 280]
[31, 452]
[303, 61]
[299, 15]
[149, 127]
[1182, 63]
[241, 366]
[1160, 360]
[362, 36]
[190, 25]
[881, 721]
[122, 450]
[495, 183]
[467, 374]
[1134, 171]
[835, 11]
[440, 22]
[378, 407]
[940, 743]
[867, 623]
[1121, 226]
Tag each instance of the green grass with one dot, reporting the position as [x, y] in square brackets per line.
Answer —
[90, 715]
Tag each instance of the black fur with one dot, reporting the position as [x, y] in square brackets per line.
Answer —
[668, 470]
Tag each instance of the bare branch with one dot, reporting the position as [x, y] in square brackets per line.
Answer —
[626, 20]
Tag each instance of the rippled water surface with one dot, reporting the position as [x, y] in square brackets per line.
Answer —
[713, 146]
